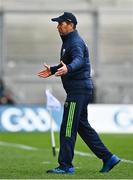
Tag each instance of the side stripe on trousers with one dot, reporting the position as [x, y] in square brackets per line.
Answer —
[70, 119]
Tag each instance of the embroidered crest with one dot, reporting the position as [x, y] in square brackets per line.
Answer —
[63, 52]
[66, 104]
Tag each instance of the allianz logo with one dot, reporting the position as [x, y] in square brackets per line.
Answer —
[16, 119]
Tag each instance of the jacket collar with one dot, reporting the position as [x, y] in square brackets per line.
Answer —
[69, 35]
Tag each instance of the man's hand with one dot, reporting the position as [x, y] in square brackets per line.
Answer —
[62, 71]
[46, 72]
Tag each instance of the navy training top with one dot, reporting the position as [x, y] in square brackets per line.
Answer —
[75, 54]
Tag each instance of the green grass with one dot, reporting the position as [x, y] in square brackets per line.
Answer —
[16, 163]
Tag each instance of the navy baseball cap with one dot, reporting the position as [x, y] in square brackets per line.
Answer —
[67, 16]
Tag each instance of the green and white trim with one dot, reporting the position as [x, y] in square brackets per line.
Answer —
[70, 119]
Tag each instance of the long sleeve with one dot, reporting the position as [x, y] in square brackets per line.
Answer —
[77, 55]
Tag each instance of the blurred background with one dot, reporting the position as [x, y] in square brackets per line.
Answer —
[28, 38]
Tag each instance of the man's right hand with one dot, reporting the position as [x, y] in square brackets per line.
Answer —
[46, 72]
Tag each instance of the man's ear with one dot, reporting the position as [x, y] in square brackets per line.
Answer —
[72, 25]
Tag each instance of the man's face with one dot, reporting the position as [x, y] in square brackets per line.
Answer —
[64, 28]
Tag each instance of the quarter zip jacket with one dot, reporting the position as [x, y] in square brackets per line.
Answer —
[75, 54]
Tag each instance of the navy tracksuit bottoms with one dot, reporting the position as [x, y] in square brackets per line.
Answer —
[75, 120]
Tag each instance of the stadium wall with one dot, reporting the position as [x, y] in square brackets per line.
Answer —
[28, 39]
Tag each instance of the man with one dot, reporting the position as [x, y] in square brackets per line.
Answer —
[74, 69]
[5, 97]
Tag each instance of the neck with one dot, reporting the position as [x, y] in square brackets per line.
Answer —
[64, 34]
[69, 35]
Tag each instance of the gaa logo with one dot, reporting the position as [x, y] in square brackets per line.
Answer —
[124, 118]
[29, 119]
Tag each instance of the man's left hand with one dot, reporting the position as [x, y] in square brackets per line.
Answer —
[62, 71]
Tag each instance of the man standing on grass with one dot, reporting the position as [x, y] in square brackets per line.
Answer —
[74, 69]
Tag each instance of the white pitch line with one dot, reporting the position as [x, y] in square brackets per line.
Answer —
[30, 148]
[20, 146]
[84, 154]
[127, 161]
[91, 155]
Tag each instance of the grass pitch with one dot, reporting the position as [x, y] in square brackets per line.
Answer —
[23, 162]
